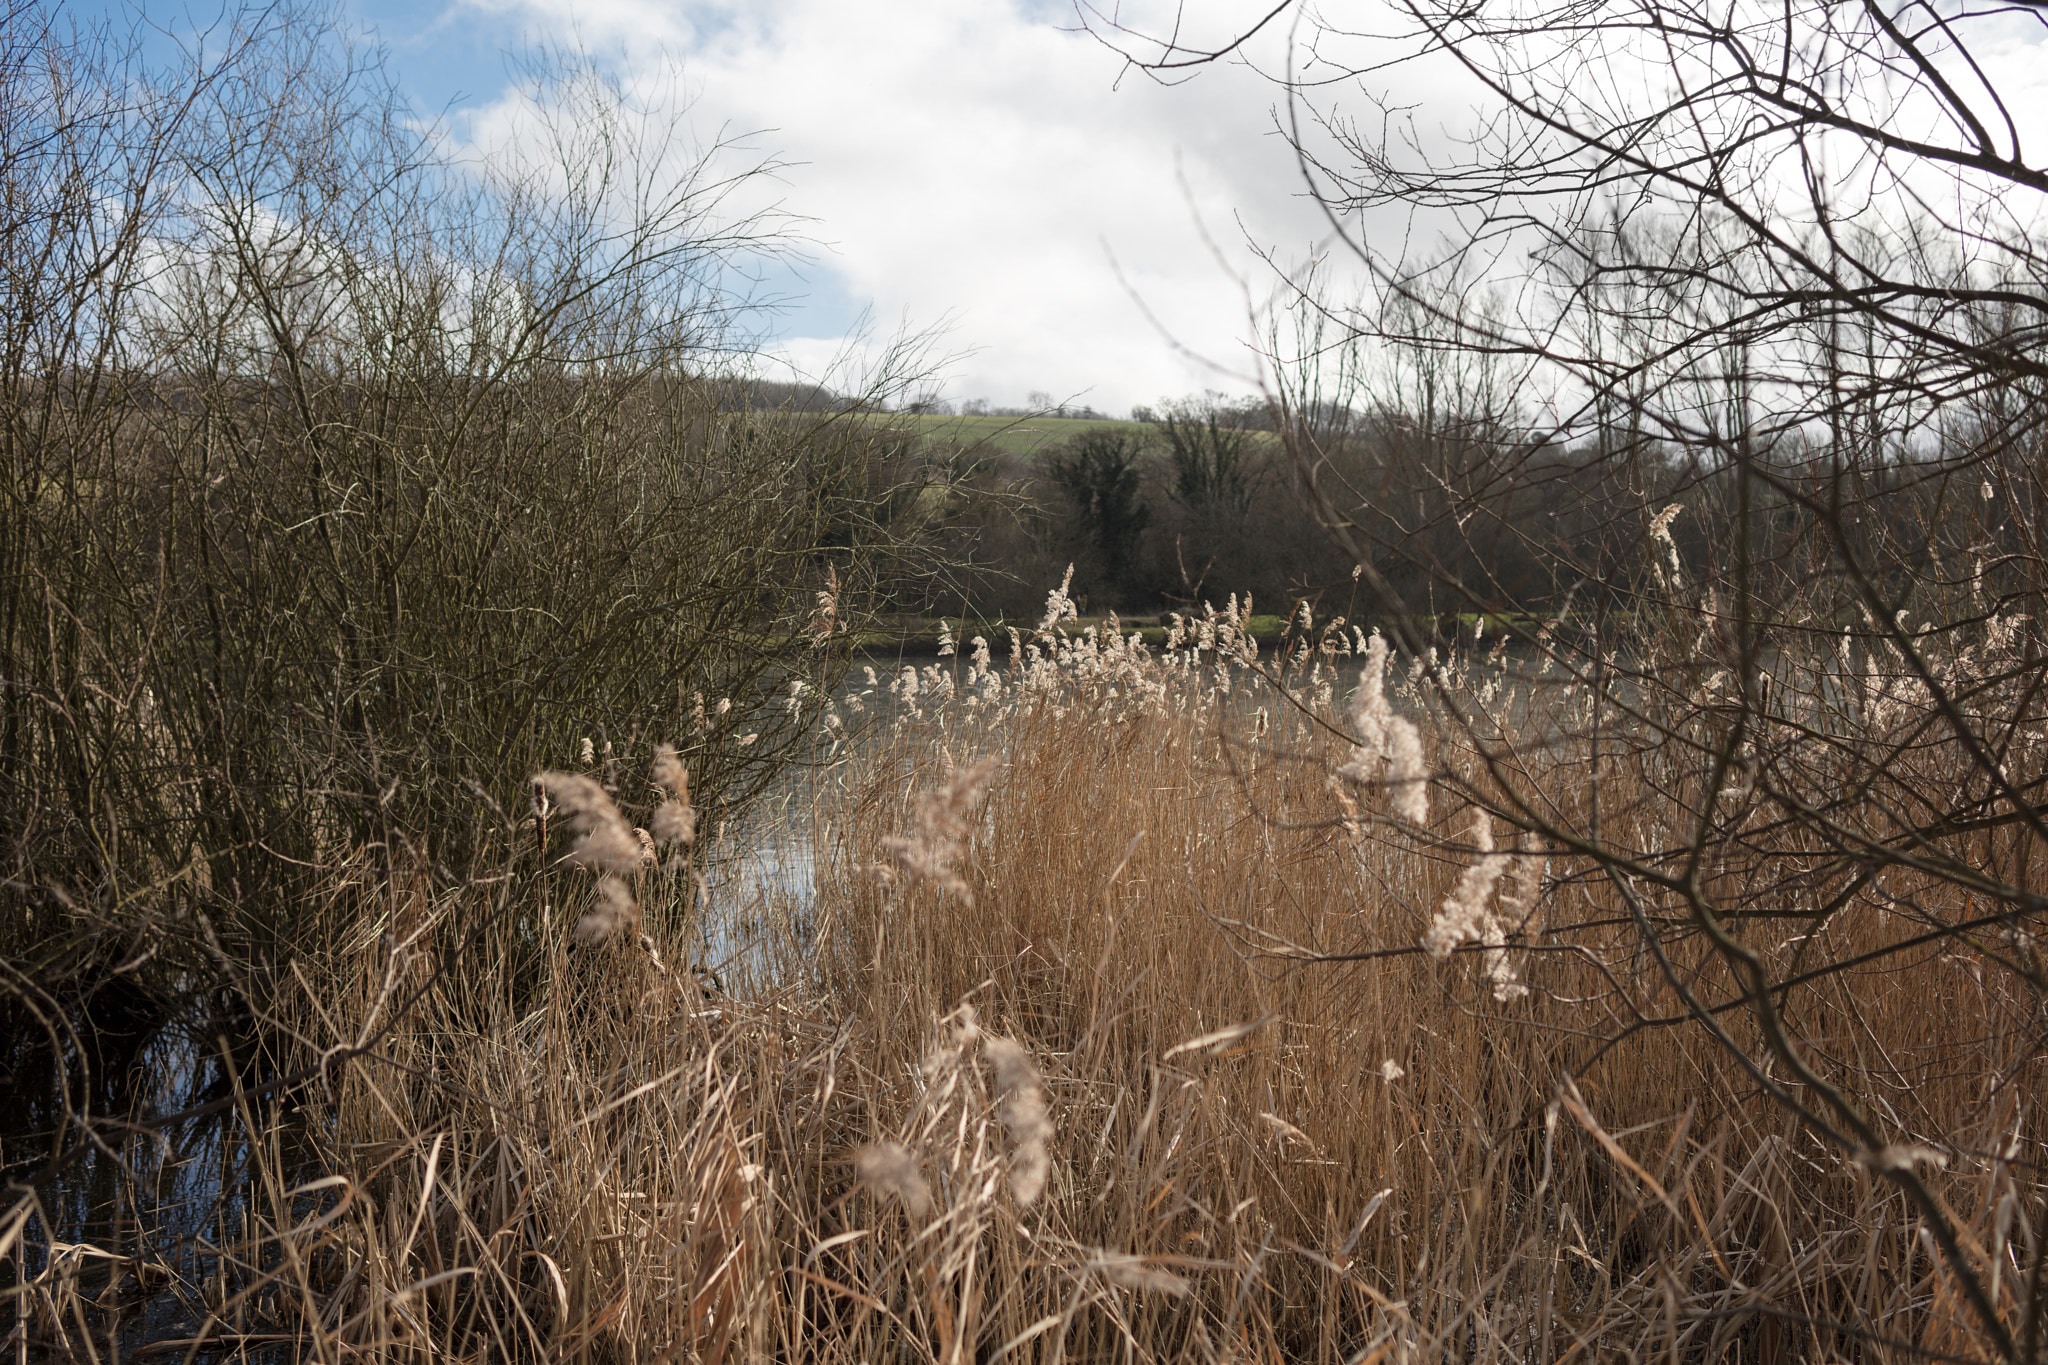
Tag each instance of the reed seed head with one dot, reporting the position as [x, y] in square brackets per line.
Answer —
[1667, 568]
[889, 1169]
[1137, 1272]
[1021, 1105]
[1407, 776]
[612, 911]
[1385, 738]
[1059, 607]
[675, 820]
[929, 855]
[675, 823]
[604, 841]
[1464, 916]
[824, 621]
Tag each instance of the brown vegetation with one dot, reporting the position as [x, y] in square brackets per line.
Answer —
[1242, 1151]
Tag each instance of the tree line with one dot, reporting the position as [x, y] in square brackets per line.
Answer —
[1467, 503]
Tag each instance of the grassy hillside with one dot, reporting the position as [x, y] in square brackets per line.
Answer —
[1021, 437]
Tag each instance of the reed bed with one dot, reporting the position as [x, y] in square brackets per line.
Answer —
[1147, 1008]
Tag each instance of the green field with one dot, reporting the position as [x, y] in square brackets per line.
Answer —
[1022, 437]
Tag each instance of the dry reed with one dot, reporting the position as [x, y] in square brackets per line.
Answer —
[1415, 1154]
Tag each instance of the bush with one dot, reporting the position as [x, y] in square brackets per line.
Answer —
[348, 485]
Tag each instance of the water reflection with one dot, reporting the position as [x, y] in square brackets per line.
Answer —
[131, 1215]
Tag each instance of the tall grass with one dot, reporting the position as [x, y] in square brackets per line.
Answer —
[1133, 1018]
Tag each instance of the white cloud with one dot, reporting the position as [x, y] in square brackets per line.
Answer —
[969, 160]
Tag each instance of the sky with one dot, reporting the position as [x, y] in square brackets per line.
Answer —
[978, 173]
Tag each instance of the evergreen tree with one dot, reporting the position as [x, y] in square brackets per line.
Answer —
[1098, 472]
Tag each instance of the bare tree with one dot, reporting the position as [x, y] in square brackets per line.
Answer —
[1774, 283]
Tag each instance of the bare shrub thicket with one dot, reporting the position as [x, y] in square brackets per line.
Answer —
[349, 482]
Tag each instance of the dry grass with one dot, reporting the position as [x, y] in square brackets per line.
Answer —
[1064, 1087]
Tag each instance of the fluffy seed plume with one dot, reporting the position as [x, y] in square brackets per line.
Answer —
[825, 615]
[1903, 1157]
[888, 1168]
[1517, 913]
[1369, 714]
[1136, 1272]
[604, 841]
[1384, 737]
[675, 819]
[1021, 1105]
[605, 844]
[1059, 606]
[1660, 534]
[942, 830]
[1464, 916]
[612, 911]
[1407, 778]
[1518, 907]
[1500, 970]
